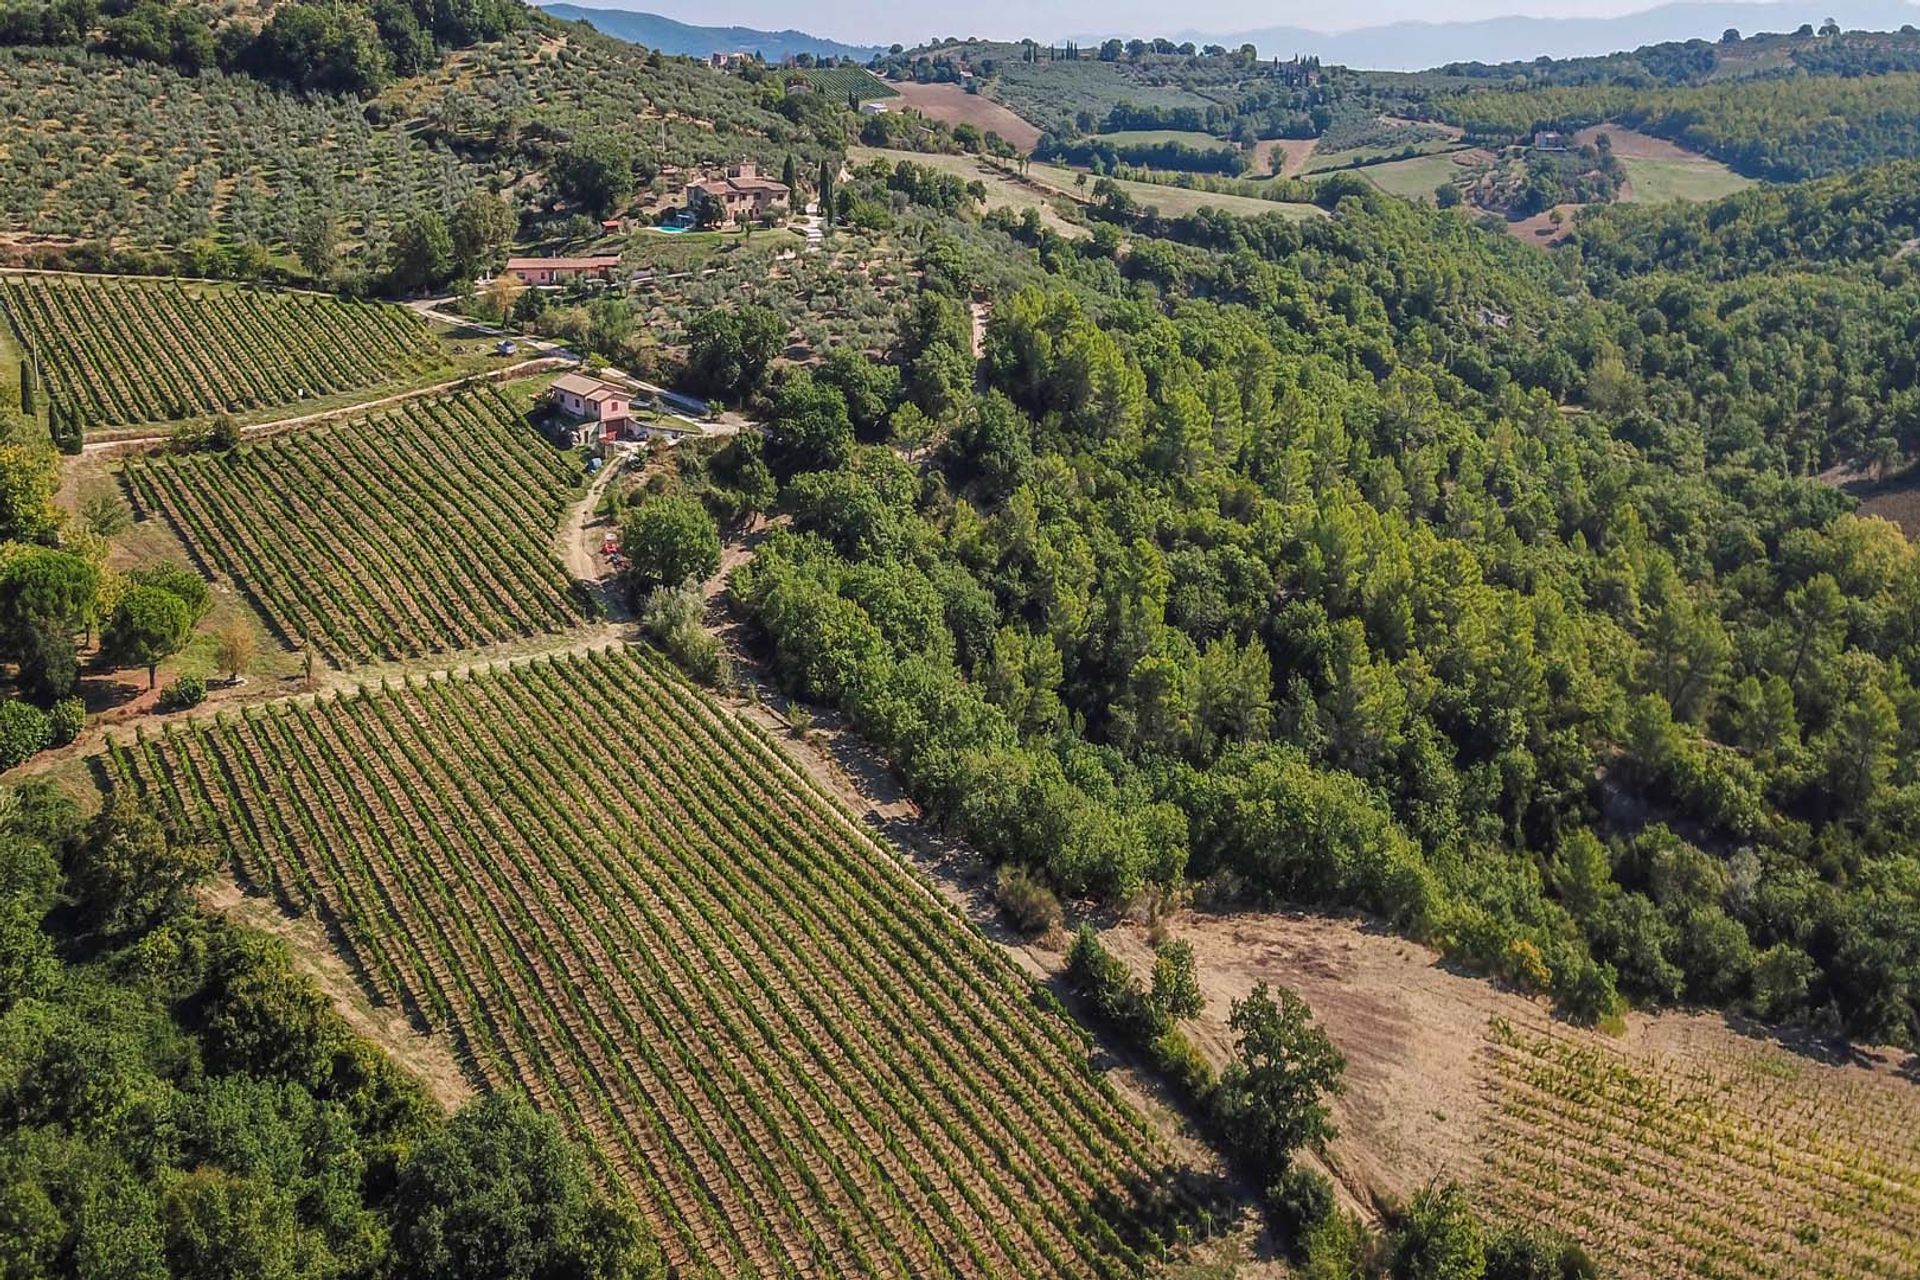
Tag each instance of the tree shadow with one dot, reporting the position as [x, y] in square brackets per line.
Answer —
[1804, 1042]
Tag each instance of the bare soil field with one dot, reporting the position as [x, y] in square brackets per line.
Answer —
[1453, 131]
[1540, 228]
[1687, 1145]
[1631, 144]
[1297, 151]
[1004, 187]
[951, 104]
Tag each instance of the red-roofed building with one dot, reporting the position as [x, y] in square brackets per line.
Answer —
[558, 270]
[741, 196]
[604, 408]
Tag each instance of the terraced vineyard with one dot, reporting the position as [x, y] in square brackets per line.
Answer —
[124, 351]
[1755, 1165]
[627, 902]
[424, 528]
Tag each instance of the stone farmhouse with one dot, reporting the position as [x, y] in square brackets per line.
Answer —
[741, 196]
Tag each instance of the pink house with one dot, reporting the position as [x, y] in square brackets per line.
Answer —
[605, 405]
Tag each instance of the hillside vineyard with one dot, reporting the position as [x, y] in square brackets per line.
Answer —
[623, 901]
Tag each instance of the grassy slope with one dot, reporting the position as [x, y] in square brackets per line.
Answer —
[1175, 201]
[1155, 137]
[1656, 181]
[1415, 178]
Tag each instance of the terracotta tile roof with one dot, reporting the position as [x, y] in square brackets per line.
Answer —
[582, 385]
[574, 264]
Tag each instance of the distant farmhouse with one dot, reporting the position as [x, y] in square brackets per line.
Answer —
[559, 270]
[740, 197]
[1548, 140]
[721, 61]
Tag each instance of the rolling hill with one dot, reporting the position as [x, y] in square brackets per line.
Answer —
[1413, 46]
[669, 36]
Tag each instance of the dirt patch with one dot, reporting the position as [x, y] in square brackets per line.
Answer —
[1295, 153]
[1897, 500]
[430, 1058]
[1411, 1032]
[1540, 228]
[950, 104]
[1631, 144]
[1452, 131]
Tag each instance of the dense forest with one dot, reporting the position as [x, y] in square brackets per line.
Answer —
[1372, 563]
[330, 48]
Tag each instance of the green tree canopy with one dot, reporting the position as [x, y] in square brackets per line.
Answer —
[1272, 1099]
[149, 625]
[595, 173]
[668, 540]
[498, 1193]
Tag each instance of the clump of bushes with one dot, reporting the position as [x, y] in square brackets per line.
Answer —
[24, 730]
[182, 693]
[1149, 1017]
[672, 616]
[1026, 901]
[65, 721]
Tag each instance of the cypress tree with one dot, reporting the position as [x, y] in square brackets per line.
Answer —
[26, 385]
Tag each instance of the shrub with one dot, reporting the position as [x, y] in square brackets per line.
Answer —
[185, 692]
[1178, 1059]
[1300, 1200]
[1026, 901]
[64, 723]
[672, 616]
[24, 729]
[1176, 982]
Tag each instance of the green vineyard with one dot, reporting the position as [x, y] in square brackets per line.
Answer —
[838, 82]
[424, 528]
[625, 901]
[120, 351]
[1750, 1166]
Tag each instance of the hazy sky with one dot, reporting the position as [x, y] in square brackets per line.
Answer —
[911, 21]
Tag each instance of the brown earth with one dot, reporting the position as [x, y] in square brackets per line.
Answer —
[1297, 151]
[951, 104]
[1539, 229]
[1631, 144]
[1453, 131]
[1897, 499]
[1436, 1088]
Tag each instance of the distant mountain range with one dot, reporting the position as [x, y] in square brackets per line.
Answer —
[668, 36]
[1413, 46]
[1399, 46]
